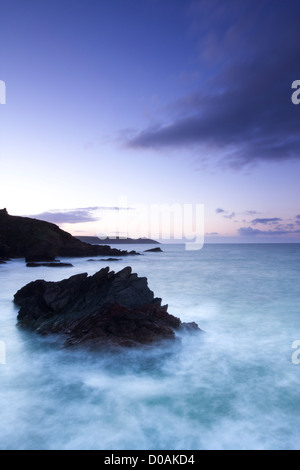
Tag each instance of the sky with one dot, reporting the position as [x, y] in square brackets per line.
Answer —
[113, 111]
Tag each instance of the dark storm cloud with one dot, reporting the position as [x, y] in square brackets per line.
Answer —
[243, 111]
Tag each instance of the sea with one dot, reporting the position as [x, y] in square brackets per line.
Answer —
[234, 386]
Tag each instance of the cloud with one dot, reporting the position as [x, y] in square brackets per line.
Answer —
[272, 220]
[211, 234]
[246, 231]
[76, 216]
[251, 212]
[242, 113]
[249, 231]
[225, 213]
[73, 216]
[229, 216]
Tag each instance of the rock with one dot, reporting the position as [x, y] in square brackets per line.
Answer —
[154, 250]
[39, 241]
[42, 252]
[3, 212]
[111, 259]
[191, 327]
[106, 309]
[49, 265]
[106, 259]
[122, 326]
[4, 260]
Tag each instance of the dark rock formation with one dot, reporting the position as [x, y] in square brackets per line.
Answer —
[106, 259]
[49, 265]
[106, 309]
[154, 250]
[36, 240]
[110, 259]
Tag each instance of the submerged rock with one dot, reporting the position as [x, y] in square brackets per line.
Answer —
[106, 309]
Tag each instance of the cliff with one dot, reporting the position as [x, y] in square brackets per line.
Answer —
[36, 240]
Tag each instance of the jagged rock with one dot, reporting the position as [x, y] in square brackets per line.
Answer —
[105, 309]
[39, 241]
[122, 326]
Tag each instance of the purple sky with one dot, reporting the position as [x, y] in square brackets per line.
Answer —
[152, 102]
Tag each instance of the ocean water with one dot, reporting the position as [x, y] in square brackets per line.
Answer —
[234, 386]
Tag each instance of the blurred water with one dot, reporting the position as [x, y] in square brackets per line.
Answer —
[232, 387]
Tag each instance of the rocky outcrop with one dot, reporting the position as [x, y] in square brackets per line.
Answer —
[39, 241]
[154, 250]
[49, 265]
[106, 309]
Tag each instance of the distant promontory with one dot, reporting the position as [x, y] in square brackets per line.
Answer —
[117, 240]
[37, 240]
